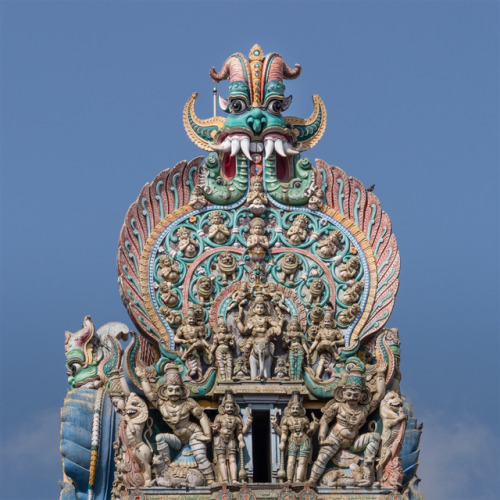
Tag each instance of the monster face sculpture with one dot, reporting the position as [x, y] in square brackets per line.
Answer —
[255, 124]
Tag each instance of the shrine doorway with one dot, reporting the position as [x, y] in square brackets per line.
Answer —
[261, 444]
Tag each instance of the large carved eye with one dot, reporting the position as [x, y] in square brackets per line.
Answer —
[74, 367]
[238, 105]
[275, 106]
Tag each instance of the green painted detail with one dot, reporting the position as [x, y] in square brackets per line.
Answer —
[145, 212]
[340, 195]
[372, 220]
[95, 446]
[292, 192]
[175, 190]
[239, 89]
[375, 324]
[380, 240]
[87, 373]
[381, 303]
[159, 199]
[393, 271]
[112, 361]
[324, 182]
[130, 278]
[131, 256]
[356, 207]
[204, 132]
[273, 89]
[190, 181]
[136, 233]
[222, 191]
[75, 355]
[255, 120]
[386, 261]
[147, 327]
[322, 391]
[137, 303]
[308, 131]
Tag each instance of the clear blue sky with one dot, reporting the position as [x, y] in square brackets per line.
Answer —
[91, 99]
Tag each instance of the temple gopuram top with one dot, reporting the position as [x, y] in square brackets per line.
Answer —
[260, 286]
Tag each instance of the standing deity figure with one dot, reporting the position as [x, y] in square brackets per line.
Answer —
[187, 245]
[296, 431]
[228, 431]
[257, 198]
[328, 247]
[218, 232]
[297, 233]
[326, 344]
[295, 343]
[223, 347]
[259, 330]
[390, 470]
[257, 242]
[191, 336]
[171, 399]
[350, 407]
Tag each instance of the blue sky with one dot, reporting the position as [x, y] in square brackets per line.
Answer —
[91, 97]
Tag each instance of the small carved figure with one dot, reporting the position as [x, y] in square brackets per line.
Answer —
[172, 317]
[297, 233]
[257, 198]
[136, 453]
[316, 199]
[317, 314]
[197, 199]
[240, 296]
[289, 266]
[259, 330]
[257, 242]
[191, 337]
[171, 399]
[227, 266]
[241, 370]
[348, 315]
[349, 270]
[326, 344]
[277, 299]
[223, 347]
[218, 232]
[350, 407]
[205, 289]
[167, 269]
[228, 431]
[316, 289]
[295, 342]
[168, 296]
[296, 430]
[389, 468]
[187, 245]
[353, 293]
[328, 247]
[281, 368]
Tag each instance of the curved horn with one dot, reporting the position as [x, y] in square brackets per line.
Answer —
[201, 132]
[277, 69]
[235, 67]
[309, 131]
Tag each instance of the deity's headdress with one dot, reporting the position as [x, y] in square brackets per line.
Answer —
[229, 398]
[295, 400]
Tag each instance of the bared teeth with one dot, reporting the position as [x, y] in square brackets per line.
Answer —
[235, 146]
[289, 150]
[278, 146]
[245, 147]
[269, 147]
[224, 147]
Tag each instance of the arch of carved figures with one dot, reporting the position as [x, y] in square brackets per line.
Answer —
[260, 285]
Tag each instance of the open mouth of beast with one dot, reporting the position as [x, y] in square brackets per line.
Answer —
[272, 144]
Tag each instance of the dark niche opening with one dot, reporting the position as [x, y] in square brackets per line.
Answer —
[261, 444]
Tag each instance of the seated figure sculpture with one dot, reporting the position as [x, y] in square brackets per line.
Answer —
[176, 408]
